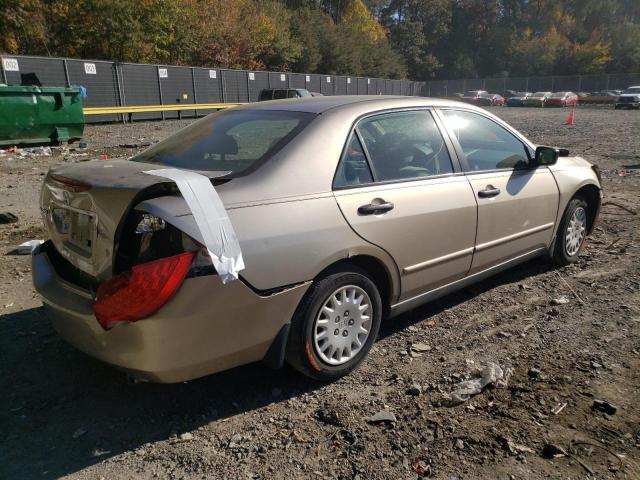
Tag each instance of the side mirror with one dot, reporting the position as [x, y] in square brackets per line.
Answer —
[547, 156]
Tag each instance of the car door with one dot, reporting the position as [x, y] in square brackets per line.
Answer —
[517, 203]
[397, 187]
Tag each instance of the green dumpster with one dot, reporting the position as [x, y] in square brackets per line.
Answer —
[31, 115]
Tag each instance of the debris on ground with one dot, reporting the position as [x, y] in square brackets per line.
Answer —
[26, 248]
[8, 217]
[561, 300]
[383, 416]
[604, 406]
[490, 375]
[551, 450]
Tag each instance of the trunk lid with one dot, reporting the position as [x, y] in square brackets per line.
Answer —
[85, 205]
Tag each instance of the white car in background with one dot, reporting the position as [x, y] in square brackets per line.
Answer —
[629, 98]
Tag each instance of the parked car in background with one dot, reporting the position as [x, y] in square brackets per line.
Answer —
[472, 96]
[518, 99]
[280, 93]
[484, 99]
[345, 210]
[562, 99]
[606, 93]
[629, 98]
[538, 99]
[510, 93]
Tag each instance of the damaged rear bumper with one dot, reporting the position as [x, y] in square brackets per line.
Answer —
[206, 327]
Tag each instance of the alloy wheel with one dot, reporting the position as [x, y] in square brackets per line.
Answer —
[576, 231]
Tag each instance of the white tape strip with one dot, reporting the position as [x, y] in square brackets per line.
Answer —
[212, 220]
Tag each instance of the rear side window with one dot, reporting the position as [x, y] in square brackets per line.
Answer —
[279, 94]
[353, 169]
[485, 144]
[265, 95]
[230, 142]
[405, 145]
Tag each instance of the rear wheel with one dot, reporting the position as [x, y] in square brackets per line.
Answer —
[572, 232]
[335, 325]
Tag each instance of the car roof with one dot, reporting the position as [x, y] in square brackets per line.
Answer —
[319, 105]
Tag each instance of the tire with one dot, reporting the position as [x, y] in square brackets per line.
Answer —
[307, 349]
[572, 232]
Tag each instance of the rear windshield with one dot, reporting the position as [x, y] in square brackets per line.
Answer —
[632, 90]
[230, 141]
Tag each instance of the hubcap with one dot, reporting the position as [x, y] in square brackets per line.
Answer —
[343, 324]
[576, 231]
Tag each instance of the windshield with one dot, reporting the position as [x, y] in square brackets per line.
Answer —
[631, 90]
[232, 141]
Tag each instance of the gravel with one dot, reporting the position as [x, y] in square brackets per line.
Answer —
[66, 415]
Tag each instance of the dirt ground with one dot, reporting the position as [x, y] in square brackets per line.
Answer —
[63, 414]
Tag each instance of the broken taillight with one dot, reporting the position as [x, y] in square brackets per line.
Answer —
[142, 291]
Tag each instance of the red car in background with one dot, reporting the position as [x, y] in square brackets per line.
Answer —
[562, 99]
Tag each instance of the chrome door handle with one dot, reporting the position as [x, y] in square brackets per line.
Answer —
[489, 191]
[375, 208]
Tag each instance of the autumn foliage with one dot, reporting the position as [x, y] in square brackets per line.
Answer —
[421, 39]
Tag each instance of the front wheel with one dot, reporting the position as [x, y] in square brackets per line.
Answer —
[572, 232]
[335, 325]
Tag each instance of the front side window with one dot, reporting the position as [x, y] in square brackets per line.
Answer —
[405, 145]
[485, 144]
[279, 94]
[231, 141]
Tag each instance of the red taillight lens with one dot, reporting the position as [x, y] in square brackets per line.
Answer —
[140, 292]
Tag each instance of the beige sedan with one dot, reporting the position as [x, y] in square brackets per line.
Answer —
[330, 214]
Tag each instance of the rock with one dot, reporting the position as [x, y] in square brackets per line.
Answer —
[554, 312]
[459, 444]
[414, 390]
[329, 416]
[186, 437]
[79, 432]
[420, 347]
[552, 451]
[504, 334]
[562, 300]
[604, 406]
[383, 416]
[534, 372]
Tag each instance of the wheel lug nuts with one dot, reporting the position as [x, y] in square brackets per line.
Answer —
[345, 333]
[346, 313]
[351, 322]
[336, 331]
[337, 319]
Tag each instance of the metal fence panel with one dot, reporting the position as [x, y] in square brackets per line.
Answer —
[315, 82]
[297, 80]
[176, 88]
[326, 85]
[341, 85]
[235, 85]
[101, 83]
[361, 86]
[278, 80]
[260, 82]
[208, 85]
[140, 85]
[50, 71]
